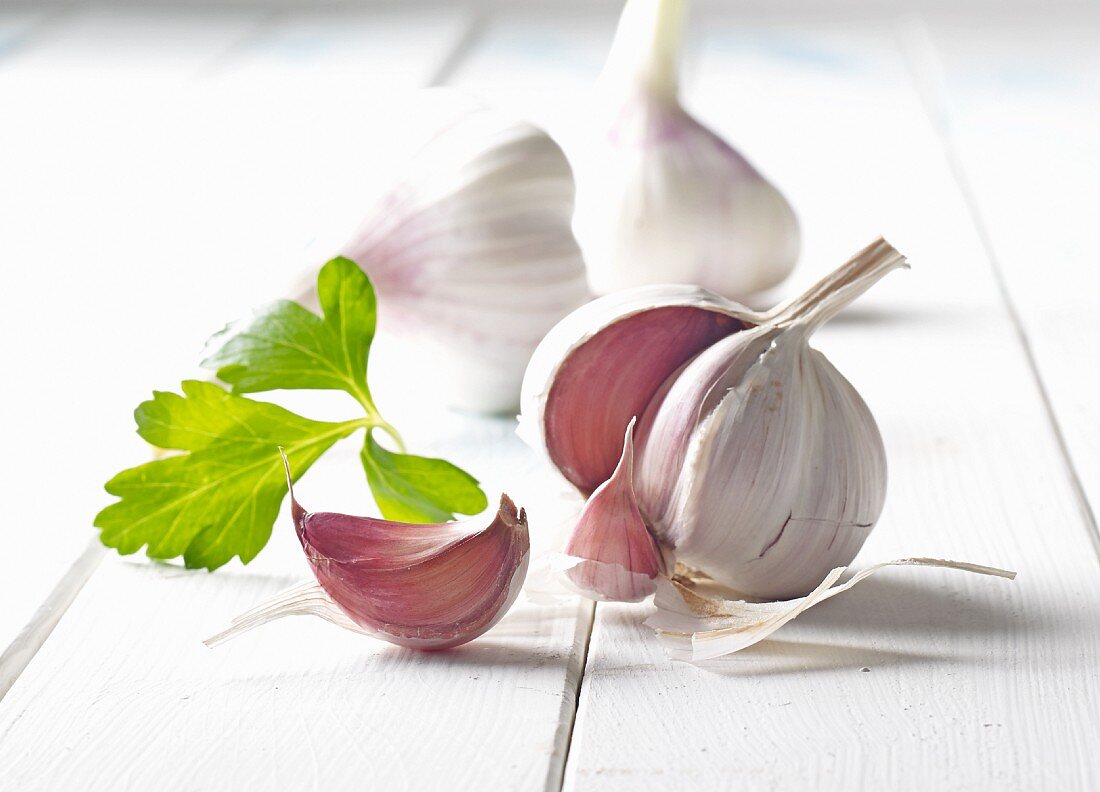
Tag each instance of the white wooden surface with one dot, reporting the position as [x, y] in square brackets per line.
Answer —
[970, 145]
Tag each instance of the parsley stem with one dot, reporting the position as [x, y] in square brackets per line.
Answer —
[374, 418]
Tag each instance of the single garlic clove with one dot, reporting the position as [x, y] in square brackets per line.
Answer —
[421, 586]
[689, 395]
[661, 198]
[613, 556]
[472, 253]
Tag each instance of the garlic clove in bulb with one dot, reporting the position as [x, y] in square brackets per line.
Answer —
[472, 253]
[757, 462]
[793, 418]
[611, 554]
[421, 586]
[661, 198]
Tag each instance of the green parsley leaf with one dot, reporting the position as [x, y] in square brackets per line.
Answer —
[286, 346]
[411, 488]
[221, 498]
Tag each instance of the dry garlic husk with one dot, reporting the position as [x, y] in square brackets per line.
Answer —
[661, 198]
[472, 253]
[755, 460]
[421, 586]
[694, 626]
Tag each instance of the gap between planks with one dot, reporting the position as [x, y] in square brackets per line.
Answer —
[926, 72]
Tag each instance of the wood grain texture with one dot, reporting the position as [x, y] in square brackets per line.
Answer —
[124, 690]
[1019, 107]
[965, 673]
[972, 683]
[93, 192]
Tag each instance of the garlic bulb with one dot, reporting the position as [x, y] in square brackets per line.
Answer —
[472, 253]
[661, 198]
[758, 463]
[421, 586]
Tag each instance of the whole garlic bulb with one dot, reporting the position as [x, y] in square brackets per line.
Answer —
[472, 253]
[756, 461]
[661, 198]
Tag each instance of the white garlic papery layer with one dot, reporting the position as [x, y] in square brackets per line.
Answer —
[756, 461]
[472, 253]
[661, 198]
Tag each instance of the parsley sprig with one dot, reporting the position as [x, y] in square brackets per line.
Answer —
[221, 495]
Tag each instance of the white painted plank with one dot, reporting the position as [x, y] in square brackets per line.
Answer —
[126, 695]
[968, 677]
[299, 703]
[100, 289]
[151, 208]
[1020, 105]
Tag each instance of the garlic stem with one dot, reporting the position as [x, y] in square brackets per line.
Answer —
[878, 256]
[647, 48]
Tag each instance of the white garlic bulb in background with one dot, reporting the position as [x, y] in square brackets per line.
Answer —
[755, 461]
[472, 253]
[661, 198]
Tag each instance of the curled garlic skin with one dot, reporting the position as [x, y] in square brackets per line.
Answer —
[472, 253]
[425, 587]
[758, 463]
[661, 198]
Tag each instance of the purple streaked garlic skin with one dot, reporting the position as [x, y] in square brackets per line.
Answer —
[757, 462]
[472, 254]
[660, 197]
[616, 557]
[422, 586]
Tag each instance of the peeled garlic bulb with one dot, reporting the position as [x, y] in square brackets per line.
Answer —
[472, 253]
[757, 462]
[421, 586]
[661, 198]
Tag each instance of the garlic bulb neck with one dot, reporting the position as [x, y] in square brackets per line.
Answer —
[646, 49]
[660, 197]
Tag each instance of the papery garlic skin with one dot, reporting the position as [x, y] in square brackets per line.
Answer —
[782, 481]
[613, 555]
[661, 198]
[758, 463]
[472, 253]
